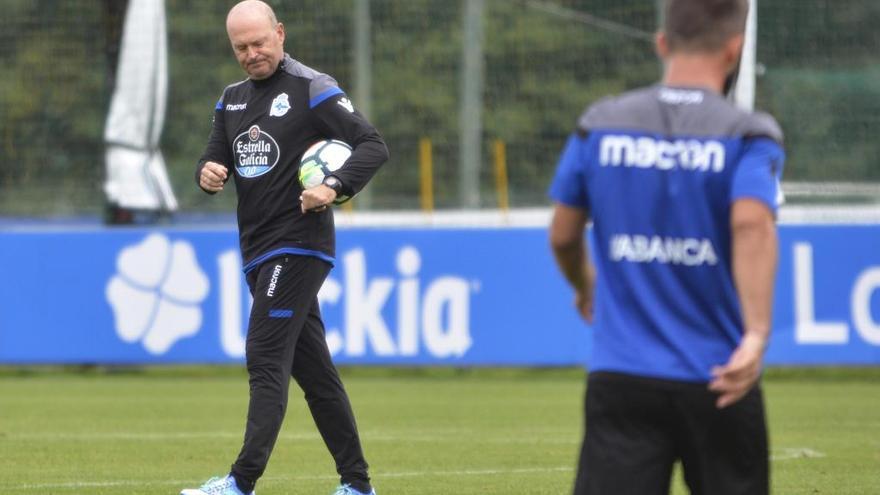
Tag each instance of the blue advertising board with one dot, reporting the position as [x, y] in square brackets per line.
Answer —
[458, 297]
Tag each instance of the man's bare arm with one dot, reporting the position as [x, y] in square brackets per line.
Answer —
[755, 252]
[570, 250]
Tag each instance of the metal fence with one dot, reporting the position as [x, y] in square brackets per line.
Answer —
[469, 84]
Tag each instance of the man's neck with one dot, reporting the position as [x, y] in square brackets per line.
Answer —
[694, 71]
[268, 78]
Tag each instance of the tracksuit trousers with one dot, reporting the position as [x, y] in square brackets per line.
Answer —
[286, 338]
[638, 427]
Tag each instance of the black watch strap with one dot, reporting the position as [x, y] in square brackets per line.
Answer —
[334, 183]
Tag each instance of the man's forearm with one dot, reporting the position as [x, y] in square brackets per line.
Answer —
[571, 259]
[364, 162]
[755, 253]
[569, 248]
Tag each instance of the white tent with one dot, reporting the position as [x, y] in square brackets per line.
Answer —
[744, 91]
[136, 174]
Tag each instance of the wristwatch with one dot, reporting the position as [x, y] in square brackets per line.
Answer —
[334, 183]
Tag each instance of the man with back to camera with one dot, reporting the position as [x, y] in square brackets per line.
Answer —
[261, 128]
[682, 188]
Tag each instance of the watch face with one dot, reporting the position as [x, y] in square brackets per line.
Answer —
[332, 183]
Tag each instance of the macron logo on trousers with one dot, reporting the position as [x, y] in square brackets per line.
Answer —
[273, 282]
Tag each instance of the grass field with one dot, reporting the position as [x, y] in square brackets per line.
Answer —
[424, 432]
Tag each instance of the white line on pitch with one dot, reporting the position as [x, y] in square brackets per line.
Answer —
[148, 436]
[788, 453]
[780, 454]
[377, 475]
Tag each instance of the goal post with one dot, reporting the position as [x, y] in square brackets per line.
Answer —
[744, 91]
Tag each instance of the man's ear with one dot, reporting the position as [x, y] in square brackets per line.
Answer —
[279, 29]
[733, 51]
[661, 44]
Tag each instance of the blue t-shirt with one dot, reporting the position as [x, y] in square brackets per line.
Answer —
[658, 169]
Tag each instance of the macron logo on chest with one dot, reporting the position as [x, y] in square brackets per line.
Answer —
[646, 152]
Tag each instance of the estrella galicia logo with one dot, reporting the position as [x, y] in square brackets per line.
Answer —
[256, 152]
[280, 106]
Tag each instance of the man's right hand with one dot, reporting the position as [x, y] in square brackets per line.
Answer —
[583, 296]
[213, 177]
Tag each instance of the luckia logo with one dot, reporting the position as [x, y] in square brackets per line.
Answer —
[431, 315]
[157, 292]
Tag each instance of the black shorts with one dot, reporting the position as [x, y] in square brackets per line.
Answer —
[637, 428]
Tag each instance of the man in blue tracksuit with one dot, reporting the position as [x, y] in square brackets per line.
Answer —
[682, 188]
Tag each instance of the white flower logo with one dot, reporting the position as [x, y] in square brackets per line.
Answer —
[157, 292]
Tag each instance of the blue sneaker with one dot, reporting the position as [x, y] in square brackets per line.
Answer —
[217, 486]
[346, 489]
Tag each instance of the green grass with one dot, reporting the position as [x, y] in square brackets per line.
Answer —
[424, 431]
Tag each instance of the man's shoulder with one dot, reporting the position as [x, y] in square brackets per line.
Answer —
[320, 84]
[295, 68]
[232, 89]
[618, 111]
[721, 116]
[760, 124]
[678, 111]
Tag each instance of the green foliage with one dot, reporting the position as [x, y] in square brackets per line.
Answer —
[540, 70]
[830, 120]
[52, 107]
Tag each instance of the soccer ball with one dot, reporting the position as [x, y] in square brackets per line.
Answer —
[320, 160]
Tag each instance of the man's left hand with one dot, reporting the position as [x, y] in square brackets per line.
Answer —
[733, 380]
[317, 198]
